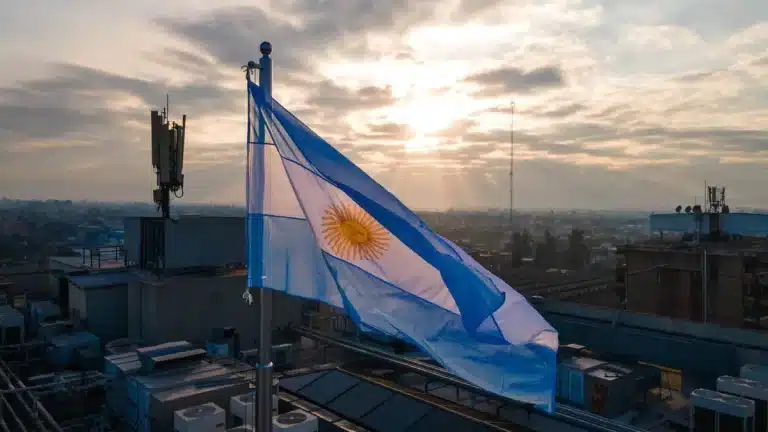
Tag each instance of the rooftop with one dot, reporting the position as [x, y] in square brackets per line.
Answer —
[102, 279]
[104, 257]
[556, 284]
[717, 233]
[742, 246]
[151, 278]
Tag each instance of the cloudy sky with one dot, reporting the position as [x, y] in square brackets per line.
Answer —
[619, 103]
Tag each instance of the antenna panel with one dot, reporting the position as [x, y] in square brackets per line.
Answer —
[157, 130]
[165, 157]
[176, 137]
[180, 151]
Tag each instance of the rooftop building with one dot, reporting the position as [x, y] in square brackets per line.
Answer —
[700, 266]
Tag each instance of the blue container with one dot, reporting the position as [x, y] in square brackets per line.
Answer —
[220, 349]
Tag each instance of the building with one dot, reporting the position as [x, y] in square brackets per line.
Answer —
[183, 278]
[188, 306]
[704, 267]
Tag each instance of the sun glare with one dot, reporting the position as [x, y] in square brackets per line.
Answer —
[425, 117]
[429, 115]
[428, 100]
[421, 143]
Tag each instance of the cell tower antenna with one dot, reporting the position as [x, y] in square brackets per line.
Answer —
[167, 157]
[707, 195]
[715, 199]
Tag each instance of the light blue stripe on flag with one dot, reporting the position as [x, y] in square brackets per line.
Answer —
[329, 232]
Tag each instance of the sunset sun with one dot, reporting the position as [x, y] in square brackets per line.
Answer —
[426, 117]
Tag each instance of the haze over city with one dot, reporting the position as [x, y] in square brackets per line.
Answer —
[619, 104]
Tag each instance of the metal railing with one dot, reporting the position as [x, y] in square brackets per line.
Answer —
[97, 257]
[37, 417]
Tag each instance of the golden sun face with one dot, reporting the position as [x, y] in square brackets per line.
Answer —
[353, 234]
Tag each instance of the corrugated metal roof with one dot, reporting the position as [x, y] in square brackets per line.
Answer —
[200, 377]
[103, 279]
[203, 370]
[188, 390]
[10, 317]
[373, 406]
[126, 363]
[176, 377]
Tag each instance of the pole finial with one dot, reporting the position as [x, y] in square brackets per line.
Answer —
[265, 48]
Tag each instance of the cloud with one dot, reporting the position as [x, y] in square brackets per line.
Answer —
[80, 105]
[387, 131]
[562, 111]
[663, 37]
[181, 61]
[82, 121]
[507, 80]
[611, 96]
[308, 31]
[25, 130]
[329, 95]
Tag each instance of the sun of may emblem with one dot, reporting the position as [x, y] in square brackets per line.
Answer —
[354, 234]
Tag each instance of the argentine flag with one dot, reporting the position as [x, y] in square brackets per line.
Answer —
[320, 228]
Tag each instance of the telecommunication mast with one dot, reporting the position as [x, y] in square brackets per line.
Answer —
[167, 158]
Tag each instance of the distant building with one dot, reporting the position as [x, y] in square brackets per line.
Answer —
[702, 267]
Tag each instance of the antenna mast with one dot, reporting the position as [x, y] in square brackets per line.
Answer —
[512, 164]
[167, 157]
[715, 199]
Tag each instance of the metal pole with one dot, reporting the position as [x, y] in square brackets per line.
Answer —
[704, 285]
[264, 372]
[512, 166]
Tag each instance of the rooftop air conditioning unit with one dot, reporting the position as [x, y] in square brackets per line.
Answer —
[242, 408]
[720, 412]
[202, 418]
[295, 421]
[755, 372]
[748, 389]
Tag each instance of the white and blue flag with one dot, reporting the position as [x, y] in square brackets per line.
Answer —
[322, 229]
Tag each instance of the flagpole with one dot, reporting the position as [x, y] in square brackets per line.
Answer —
[264, 368]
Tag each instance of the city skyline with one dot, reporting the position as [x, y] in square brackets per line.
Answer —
[618, 104]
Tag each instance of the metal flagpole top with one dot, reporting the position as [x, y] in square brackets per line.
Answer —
[265, 48]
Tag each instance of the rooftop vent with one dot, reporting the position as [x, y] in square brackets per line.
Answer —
[170, 361]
